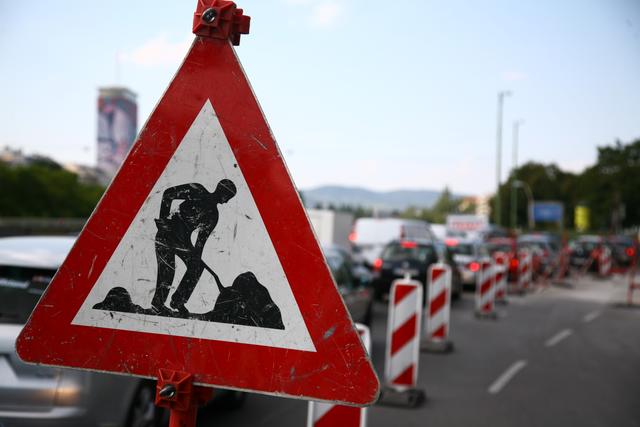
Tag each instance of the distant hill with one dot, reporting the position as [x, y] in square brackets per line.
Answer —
[356, 196]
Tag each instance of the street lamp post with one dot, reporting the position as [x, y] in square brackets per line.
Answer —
[529, 193]
[514, 190]
[501, 96]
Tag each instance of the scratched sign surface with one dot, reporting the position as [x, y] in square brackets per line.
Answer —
[200, 258]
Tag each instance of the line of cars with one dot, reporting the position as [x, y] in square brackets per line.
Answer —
[382, 250]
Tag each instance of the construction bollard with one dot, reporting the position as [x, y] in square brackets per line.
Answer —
[485, 290]
[563, 266]
[403, 345]
[604, 262]
[321, 414]
[525, 270]
[501, 262]
[436, 331]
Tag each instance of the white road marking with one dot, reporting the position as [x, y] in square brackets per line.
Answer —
[591, 316]
[558, 337]
[506, 376]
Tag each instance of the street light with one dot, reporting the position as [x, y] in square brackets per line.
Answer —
[501, 96]
[514, 191]
[529, 193]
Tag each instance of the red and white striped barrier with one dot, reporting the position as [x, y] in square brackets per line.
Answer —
[403, 334]
[525, 270]
[564, 259]
[604, 261]
[321, 414]
[634, 284]
[485, 289]
[436, 331]
[501, 262]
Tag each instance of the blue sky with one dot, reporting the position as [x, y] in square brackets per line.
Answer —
[377, 94]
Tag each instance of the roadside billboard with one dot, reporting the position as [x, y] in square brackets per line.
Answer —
[467, 223]
[548, 212]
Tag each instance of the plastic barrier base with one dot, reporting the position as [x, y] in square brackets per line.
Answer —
[440, 346]
[409, 398]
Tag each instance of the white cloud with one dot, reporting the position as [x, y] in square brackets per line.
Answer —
[158, 51]
[326, 14]
[514, 75]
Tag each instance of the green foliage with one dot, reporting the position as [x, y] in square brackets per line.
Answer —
[445, 205]
[609, 188]
[44, 189]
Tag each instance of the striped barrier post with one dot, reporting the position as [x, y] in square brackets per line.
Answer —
[604, 262]
[563, 266]
[322, 414]
[436, 318]
[501, 262]
[633, 285]
[403, 345]
[525, 270]
[485, 289]
[593, 257]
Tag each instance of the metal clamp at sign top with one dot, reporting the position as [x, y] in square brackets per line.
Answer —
[220, 19]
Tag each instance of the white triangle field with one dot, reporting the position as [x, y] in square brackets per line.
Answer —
[239, 243]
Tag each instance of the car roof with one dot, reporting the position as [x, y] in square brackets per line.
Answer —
[35, 251]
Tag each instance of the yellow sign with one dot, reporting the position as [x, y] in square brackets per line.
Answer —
[582, 218]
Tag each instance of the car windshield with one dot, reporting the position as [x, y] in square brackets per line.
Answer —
[499, 247]
[400, 252]
[462, 249]
[20, 290]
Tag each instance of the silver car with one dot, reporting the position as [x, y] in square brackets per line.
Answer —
[42, 396]
[466, 254]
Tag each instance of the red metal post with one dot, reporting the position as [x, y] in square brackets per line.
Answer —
[175, 390]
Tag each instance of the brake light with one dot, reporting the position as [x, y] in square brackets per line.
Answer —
[514, 262]
[451, 242]
[474, 266]
[352, 236]
[377, 264]
[630, 252]
[408, 245]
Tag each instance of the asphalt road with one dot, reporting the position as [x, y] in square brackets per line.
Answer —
[562, 356]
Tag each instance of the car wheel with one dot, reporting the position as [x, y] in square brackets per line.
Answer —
[143, 411]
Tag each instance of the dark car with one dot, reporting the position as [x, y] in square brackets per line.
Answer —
[401, 258]
[582, 249]
[354, 283]
[545, 249]
[623, 250]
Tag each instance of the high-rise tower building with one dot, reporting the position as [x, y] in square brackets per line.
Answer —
[117, 127]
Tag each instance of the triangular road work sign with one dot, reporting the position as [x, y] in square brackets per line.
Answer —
[200, 258]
